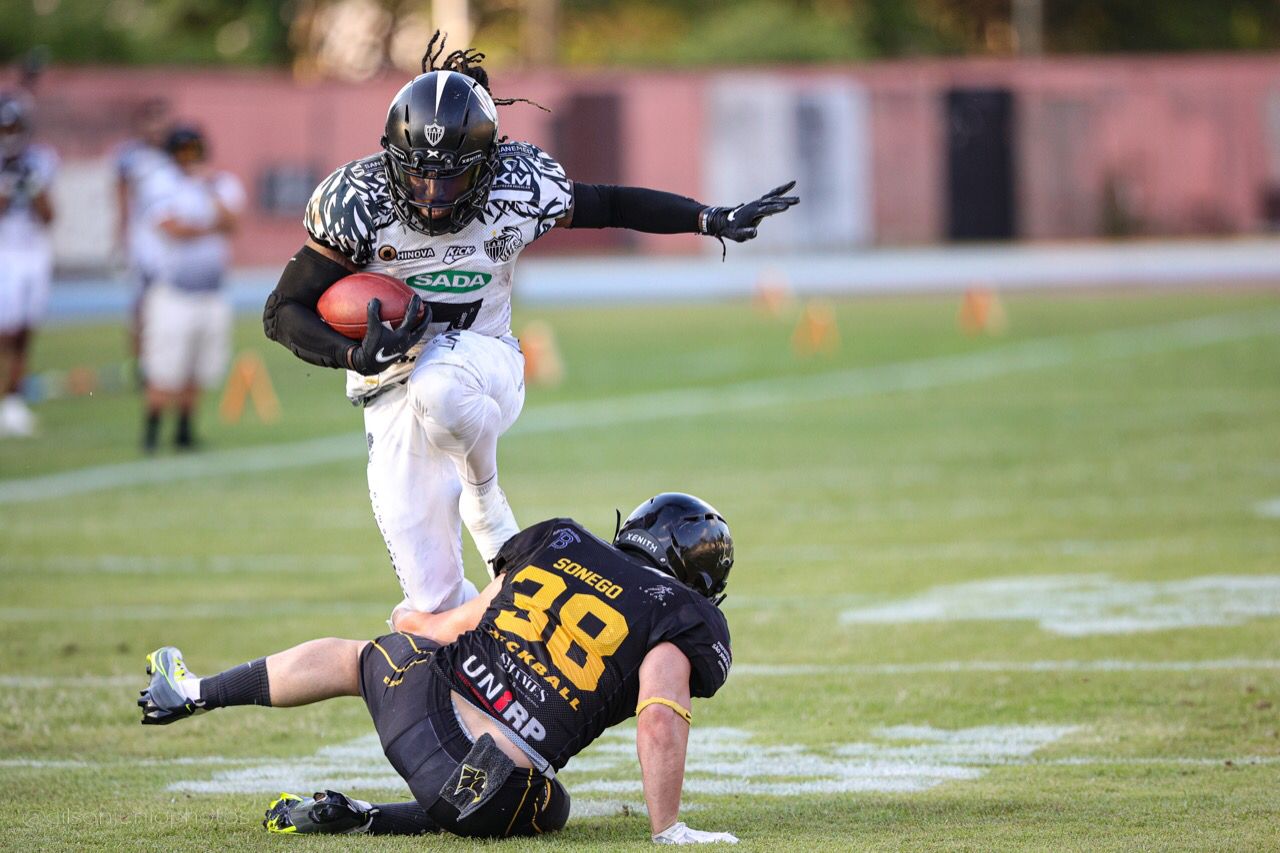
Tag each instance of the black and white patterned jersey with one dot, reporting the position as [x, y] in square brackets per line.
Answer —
[557, 655]
[465, 277]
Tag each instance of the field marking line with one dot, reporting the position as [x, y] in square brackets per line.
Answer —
[197, 610]
[1268, 509]
[769, 670]
[916, 375]
[765, 670]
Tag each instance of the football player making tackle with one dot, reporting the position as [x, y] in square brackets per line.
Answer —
[447, 206]
[478, 707]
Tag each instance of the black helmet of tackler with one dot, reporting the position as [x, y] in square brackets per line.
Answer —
[441, 144]
[683, 536]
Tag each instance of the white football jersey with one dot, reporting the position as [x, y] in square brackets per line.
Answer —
[464, 277]
[22, 179]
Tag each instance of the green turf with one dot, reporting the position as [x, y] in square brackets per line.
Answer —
[1144, 465]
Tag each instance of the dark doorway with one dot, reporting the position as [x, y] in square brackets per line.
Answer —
[587, 130]
[980, 176]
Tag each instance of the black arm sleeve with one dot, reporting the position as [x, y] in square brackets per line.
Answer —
[290, 316]
[637, 208]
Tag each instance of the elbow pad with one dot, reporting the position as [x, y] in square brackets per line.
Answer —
[290, 317]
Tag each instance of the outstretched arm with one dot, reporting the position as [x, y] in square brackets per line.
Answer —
[657, 212]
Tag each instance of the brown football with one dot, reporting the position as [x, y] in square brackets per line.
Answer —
[344, 306]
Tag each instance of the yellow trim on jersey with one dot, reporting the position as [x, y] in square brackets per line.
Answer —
[685, 713]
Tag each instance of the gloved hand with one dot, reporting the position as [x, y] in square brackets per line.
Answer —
[739, 223]
[381, 346]
[678, 833]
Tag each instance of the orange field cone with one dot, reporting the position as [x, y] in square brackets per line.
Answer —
[981, 312]
[817, 331]
[249, 380]
[773, 294]
[542, 362]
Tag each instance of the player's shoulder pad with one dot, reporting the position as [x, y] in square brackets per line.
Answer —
[519, 548]
[528, 182]
[349, 207]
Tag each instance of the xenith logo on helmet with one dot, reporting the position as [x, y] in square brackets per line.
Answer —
[434, 133]
[449, 281]
[503, 246]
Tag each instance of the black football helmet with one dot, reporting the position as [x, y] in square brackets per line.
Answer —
[15, 125]
[683, 536]
[441, 146]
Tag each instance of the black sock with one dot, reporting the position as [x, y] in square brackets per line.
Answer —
[184, 437]
[151, 432]
[245, 684]
[402, 819]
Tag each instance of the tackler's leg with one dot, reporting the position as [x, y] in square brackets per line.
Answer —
[467, 390]
[414, 490]
[307, 673]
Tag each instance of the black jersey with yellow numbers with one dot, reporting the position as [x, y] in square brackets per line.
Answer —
[557, 655]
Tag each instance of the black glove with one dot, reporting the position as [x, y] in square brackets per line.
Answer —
[381, 346]
[739, 223]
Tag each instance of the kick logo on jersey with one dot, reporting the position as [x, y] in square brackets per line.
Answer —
[449, 281]
[503, 246]
[457, 253]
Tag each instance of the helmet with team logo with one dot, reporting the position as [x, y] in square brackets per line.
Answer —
[441, 145]
[683, 536]
[15, 125]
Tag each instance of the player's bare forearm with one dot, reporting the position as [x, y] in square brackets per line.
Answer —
[662, 734]
[42, 204]
[662, 740]
[446, 627]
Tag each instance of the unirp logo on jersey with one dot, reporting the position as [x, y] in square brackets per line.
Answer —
[500, 699]
[449, 281]
[503, 246]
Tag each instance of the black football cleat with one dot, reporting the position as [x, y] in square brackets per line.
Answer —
[163, 701]
[326, 812]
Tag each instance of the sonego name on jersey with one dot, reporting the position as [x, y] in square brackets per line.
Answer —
[556, 657]
[465, 276]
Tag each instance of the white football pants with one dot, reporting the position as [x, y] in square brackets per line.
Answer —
[433, 462]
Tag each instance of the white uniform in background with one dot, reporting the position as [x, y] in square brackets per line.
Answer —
[26, 250]
[186, 325]
[146, 170]
[433, 422]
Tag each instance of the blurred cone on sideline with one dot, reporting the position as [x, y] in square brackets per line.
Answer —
[249, 380]
[542, 362]
[981, 312]
[817, 331]
[773, 292]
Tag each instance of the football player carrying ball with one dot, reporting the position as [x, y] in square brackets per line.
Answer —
[447, 206]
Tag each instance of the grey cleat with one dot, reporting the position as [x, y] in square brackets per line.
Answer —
[163, 701]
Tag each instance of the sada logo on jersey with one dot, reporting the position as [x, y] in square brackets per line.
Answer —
[449, 281]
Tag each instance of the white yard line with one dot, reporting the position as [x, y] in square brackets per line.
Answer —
[1269, 509]
[917, 375]
[768, 670]
[959, 666]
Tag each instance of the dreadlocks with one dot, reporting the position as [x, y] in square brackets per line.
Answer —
[466, 61]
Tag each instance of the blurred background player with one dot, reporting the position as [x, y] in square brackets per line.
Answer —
[186, 317]
[26, 254]
[141, 164]
[448, 207]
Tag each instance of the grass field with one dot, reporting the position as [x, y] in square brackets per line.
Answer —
[992, 593]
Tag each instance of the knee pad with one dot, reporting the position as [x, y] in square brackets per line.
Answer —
[454, 409]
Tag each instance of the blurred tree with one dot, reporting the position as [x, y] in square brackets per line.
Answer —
[625, 32]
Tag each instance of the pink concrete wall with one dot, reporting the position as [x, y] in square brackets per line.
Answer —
[1182, 142]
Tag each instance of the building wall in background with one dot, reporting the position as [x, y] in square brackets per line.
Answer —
[1099, 146]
